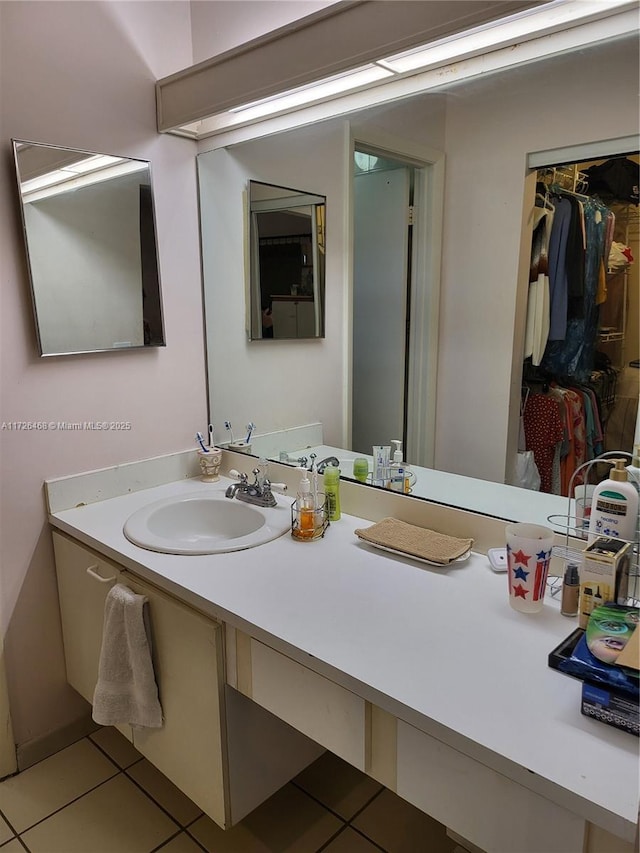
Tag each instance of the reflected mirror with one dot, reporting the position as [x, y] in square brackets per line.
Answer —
[488, 129]
[287, 251]
[90, 235]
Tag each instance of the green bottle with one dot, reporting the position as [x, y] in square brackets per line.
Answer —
[332, 491]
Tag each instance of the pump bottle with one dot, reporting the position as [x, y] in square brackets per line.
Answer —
[614, 507]
[633, 470]
[396, 469]
[305, 509]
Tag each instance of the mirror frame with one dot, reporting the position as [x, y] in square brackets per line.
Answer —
[157, 329]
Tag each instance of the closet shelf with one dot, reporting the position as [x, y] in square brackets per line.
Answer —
[609, 337]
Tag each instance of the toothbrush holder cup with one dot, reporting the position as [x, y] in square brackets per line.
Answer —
[210, 464]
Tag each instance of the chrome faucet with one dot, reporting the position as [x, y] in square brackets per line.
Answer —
[330, 460]
[258, 493]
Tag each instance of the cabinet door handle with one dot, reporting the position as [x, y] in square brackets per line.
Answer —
[91, 570]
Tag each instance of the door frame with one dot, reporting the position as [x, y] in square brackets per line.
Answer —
[424, 285]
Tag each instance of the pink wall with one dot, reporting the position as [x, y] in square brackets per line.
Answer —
[82, 74]
[220, 25]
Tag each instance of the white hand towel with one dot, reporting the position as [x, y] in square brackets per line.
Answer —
[126, 691]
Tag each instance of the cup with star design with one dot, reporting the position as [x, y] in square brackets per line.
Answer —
[528, 557]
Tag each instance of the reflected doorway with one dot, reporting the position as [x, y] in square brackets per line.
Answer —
[393, 304]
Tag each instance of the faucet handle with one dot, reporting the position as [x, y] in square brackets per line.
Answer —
[281, 488]
[237, 475]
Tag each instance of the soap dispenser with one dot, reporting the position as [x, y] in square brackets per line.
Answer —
[304, 515]
[614, 507]
[396, 469]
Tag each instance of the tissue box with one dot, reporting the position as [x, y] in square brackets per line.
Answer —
[609, 706]
[605, 659]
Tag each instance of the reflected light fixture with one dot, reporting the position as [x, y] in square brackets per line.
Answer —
[91, 170]
[522, 26]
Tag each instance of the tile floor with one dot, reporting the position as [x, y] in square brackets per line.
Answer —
[100, 795]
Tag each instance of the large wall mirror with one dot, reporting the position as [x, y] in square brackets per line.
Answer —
[287, 250]
[478, 213]
[90, 235]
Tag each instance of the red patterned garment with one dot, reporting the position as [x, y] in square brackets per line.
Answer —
[576, 409]
[543, 431]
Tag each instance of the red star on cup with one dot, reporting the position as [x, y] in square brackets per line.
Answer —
[521, 557]
[520, 591]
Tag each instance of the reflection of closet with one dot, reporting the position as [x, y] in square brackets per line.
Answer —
[581, 379]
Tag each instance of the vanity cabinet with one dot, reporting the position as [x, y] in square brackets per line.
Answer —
[224, 776]
[293, 317]
[84, 580]
[311, 703]
[187, 660]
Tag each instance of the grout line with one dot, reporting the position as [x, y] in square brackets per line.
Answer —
[370, 840]
[345, 821]
[319, 802]
[15, 838]
[194, 839]
[366, 805]
[66, 805]
[111, 758]
[166, 841]
[332, 839]
[9, 824]
[152, 798]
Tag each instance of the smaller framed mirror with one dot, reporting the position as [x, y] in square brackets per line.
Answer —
[90, 235]
[287, 247]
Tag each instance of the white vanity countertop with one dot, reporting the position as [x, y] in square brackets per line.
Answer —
[439, 648]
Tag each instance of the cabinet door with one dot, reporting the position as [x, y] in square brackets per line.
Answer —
[306, 320]
[84, 579]
[187, 659]
[285, 322]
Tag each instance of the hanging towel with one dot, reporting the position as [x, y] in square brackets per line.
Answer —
[126, 691]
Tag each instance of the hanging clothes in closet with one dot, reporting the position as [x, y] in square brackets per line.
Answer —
[563, 427]
[537, 327]
[577, 283]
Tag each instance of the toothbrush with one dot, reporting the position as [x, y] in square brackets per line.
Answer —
[250, 428]
[210, 435]
[200, 441]
[227, 425]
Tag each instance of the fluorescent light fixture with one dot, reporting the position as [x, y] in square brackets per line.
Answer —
[91, 164]
[525, 25]
[326, 88]
[555, 27]
[65, 179]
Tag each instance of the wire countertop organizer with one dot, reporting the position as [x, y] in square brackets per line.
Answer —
[575, 527]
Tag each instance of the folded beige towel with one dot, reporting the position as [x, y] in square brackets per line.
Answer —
[415, 541]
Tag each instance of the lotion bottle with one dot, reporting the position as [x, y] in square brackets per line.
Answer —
[396, 469]
[331, 479]
[614, 508]
[633, 470]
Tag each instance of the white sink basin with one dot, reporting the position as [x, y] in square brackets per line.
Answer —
[197, 523]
